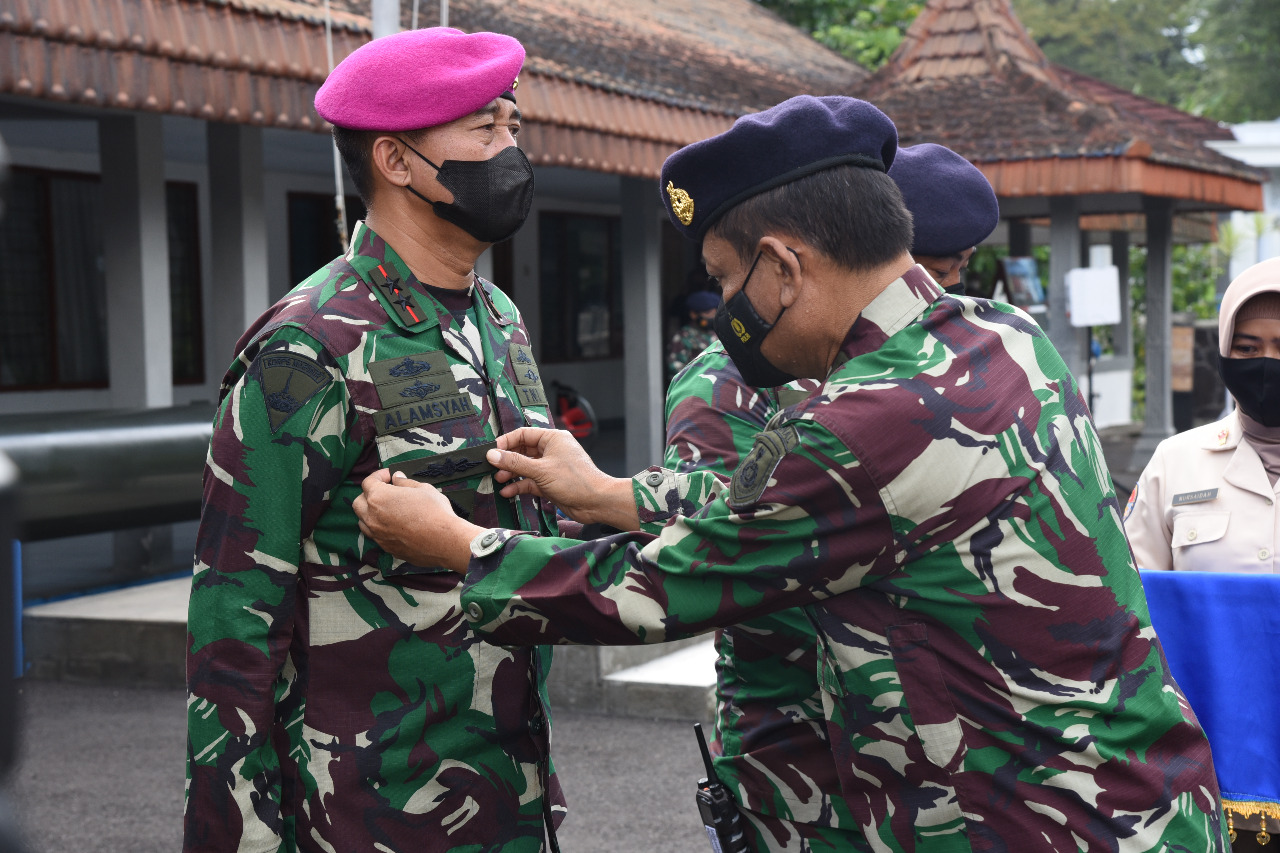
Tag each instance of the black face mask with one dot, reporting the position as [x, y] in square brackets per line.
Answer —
[491, 198]
[1255, 383]
[742, 331]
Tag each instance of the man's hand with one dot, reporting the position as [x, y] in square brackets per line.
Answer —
[552, 464]
[414, 521]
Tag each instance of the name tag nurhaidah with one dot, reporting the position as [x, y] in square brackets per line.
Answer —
[459, 464]
[425, 412]
[1195, 497]
[408, 367]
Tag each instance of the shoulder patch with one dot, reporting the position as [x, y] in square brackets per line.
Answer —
[753, 473]
[1133, 499]
[289, 380]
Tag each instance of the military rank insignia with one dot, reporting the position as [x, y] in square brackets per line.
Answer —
[288, 381]
[528, 376]
[681, 203]
[753, 473]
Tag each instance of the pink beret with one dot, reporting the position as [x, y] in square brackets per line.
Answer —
[419, 78]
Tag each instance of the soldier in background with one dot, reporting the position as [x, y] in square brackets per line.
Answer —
[772, 750]
[696, 333]
[939, 507]
[338, 699]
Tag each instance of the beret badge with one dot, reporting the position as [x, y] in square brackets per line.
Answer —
[681, 204]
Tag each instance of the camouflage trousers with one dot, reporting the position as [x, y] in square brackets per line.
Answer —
[771, 834]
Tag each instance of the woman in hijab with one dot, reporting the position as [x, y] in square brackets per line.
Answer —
[1206, 502]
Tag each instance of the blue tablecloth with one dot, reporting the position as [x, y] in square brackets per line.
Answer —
[1221, 635]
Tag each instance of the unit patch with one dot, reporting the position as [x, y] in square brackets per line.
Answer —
[1133, 501]
[289, 380]
[1194, 497]
[752, 475]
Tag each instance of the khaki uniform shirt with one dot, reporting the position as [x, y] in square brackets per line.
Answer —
[1204, 503]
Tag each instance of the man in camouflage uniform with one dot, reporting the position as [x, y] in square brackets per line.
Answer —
[695, 334]
[939, 507]
[772, 750]
[338, 698]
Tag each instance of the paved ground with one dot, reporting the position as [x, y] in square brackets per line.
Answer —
[100, 771]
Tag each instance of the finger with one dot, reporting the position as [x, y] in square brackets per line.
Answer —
[378, 478]
[517, 464]
[360, 506]
[364, 528]
[402, 479]
[520, 487]
[523, 440]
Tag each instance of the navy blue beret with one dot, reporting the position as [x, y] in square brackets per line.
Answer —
[701, 300]
[952, 204]
[798, 137]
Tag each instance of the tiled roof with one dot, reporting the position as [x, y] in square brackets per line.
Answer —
[612, 87]
[968, 76]
[729, 56]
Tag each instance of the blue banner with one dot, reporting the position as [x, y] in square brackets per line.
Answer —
[1221, 636]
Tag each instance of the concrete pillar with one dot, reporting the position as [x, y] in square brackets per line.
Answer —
[136, 241]
[1019, 238]
[1120, 259]
[1157, 424]
[642, 313]
[239, 235]
[1064, 254]
[384, 17]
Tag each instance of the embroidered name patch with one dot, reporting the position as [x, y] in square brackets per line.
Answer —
[289, 380]
[425, 412]
[753, 473]
[1194, 497]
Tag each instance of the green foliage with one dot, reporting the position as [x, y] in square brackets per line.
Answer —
[865, 31]
[1139, 45]
[1239, 41]
[1219, 58]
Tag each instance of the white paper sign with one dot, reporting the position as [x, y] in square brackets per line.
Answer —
[1093, 296]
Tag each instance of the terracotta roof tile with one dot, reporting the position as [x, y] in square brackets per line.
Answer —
[613, 87]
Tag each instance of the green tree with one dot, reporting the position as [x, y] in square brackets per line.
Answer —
[1139, 45]
[866, 31]
[1238, 45]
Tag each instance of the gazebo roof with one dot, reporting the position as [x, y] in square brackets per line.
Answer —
[968, 75]
[611, 87]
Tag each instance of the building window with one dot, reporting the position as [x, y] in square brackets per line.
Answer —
[53, 317]
[186, 318]
[313, 232]
[580, 279]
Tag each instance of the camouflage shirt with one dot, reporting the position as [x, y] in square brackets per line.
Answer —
[771, 731]
[338, 697]
[989, 673]
[685, 344]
